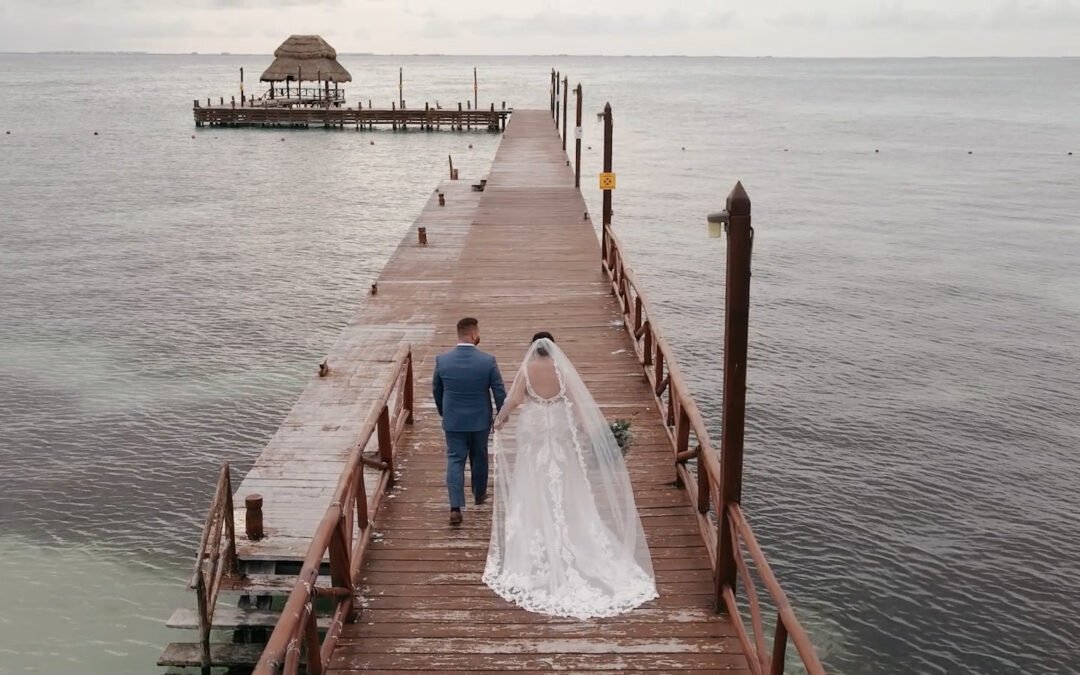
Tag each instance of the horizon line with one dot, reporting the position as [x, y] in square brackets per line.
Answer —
[136, 52]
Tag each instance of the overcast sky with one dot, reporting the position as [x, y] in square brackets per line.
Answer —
[693, 27]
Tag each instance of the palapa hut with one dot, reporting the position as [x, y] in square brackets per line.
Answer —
[306, 58]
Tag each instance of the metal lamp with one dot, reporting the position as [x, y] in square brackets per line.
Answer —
[717, 224]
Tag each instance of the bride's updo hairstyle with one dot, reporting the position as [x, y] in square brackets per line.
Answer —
[543, 335]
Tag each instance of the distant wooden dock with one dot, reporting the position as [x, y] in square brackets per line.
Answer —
[343, 117]
[336, 545]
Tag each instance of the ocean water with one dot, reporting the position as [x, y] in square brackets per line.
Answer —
[911, 467]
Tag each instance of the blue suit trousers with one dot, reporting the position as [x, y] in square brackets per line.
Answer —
[462, 446]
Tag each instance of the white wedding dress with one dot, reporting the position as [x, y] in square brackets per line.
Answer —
[566, 539]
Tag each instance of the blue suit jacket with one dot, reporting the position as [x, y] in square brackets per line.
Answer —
[464, 382]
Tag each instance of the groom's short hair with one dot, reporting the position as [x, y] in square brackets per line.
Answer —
[466, 326]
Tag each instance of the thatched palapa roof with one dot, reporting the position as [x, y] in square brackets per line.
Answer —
[308, 57]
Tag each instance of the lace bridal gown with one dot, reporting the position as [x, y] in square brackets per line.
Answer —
[566, 538]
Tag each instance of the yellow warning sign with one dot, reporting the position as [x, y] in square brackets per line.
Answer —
[607, 181]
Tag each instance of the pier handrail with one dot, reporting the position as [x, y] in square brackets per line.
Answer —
[216, 557]
[349, 514]
[690, 440]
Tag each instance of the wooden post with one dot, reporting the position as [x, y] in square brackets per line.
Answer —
[442, 199]
[475, 90]
[565, 110]
[733, 421]
[558, 81]
[451, 158]
[577, 140]
[460, 124]
[253, 517]
[608, 129]
[421, 233]
[241, 86]
[409, 403]
[401, 87]
[552, 107]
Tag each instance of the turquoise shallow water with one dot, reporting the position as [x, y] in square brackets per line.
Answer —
[911, 463]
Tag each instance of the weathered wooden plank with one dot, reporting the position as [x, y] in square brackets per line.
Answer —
[189, 654]
[349, 661]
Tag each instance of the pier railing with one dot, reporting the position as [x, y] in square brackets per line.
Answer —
[215, 559]
[714, 485]
[343, 535]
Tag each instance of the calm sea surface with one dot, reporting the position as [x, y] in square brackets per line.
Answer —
[914, 397]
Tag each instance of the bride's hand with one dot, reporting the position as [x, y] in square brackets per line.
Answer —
[500, 422]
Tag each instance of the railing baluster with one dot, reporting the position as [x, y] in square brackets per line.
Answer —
[314, 654]
[704, 485]
[682, 432]
[779, 654]
[409, 388]
[361, 500]
[386, 443]
[230, 526]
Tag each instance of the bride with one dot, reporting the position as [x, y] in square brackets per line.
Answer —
[566, 539]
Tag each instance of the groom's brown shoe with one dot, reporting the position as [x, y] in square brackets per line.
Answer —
[455, 517]
[481, 499]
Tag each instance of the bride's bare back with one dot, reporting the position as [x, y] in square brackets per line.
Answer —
[543, 377]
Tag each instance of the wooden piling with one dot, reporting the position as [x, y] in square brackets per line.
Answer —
[577, 139]
[565, 109]
[608, 129]
[733, 421]
[253, 517]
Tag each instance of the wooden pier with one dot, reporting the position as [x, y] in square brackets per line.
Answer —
[232, 114]
[357, 569]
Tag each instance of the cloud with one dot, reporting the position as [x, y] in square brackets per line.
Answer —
[802, 20]
[564, 24]
[895, 17]
[1033, 14]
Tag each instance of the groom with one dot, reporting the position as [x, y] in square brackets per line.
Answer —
[464, 382]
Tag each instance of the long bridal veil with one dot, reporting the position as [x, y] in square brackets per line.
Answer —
[566, 536]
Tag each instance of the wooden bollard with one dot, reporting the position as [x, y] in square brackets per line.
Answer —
[222, 100]
[442, 199]
[253, 517]
[421, 233]
[375, 288]
[234, 102]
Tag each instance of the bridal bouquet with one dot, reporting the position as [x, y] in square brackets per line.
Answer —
[620, 429]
